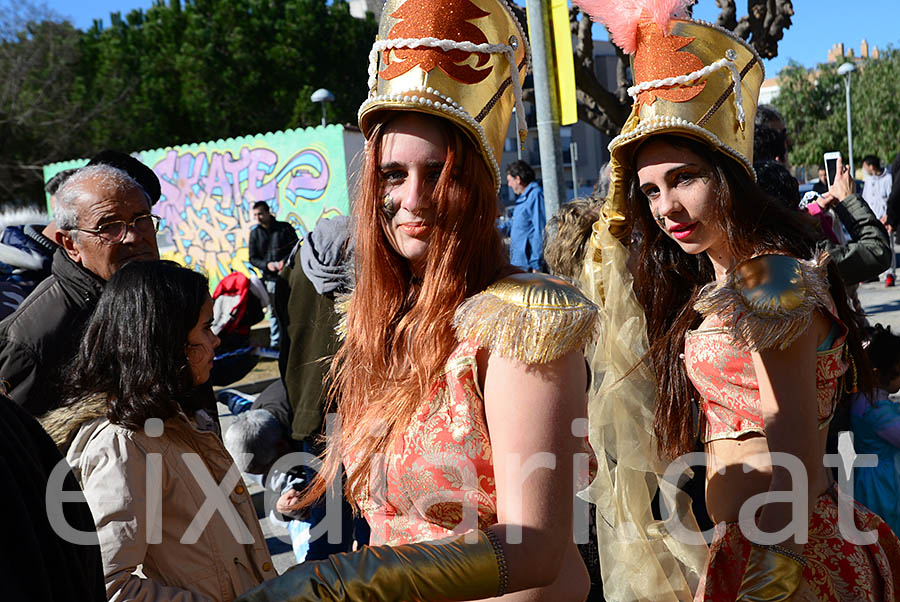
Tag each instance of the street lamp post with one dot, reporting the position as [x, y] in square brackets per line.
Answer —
[322, 96]
[546, 103]
[846, 69]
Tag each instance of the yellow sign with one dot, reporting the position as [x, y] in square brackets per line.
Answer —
[565, 65]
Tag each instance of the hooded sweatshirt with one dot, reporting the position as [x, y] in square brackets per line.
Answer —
[304, 300]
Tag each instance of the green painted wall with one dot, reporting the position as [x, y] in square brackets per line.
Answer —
[208, 190]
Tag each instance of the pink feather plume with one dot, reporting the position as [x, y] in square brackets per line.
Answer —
[621, 17]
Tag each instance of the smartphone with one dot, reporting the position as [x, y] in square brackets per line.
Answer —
[831, 160]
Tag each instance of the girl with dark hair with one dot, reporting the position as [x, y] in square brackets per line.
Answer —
[741, 338]
[876, 429]
[457, 376]
[146, 454]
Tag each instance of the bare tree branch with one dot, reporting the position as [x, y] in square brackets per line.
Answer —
[763, 25]
[728, 16]
[603, 109]
[591, 114]
[606, 101]
[623, 81]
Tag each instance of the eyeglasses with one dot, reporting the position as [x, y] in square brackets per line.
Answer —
[115, 232]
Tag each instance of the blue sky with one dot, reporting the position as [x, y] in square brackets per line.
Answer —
[817, 24]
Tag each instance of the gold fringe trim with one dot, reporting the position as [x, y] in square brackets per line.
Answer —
[533, 318]
[341, 306]
[768, 301]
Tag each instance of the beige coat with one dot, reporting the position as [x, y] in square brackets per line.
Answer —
[131, 479]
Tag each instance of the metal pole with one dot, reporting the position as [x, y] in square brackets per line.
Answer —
[518, 146]
[850, 130]
[573, 154]
[324, 120]
[891, 278]
[547, 104]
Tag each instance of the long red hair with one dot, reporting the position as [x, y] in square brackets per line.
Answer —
[399, 330]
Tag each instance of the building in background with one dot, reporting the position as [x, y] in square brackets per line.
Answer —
[592, 144]
[837, 52]
[358, 8]
[769, 90]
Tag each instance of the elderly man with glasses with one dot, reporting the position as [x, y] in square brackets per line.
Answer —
[103, 221]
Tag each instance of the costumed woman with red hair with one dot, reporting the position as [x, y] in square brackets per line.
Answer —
[460, 384]
[733, 329]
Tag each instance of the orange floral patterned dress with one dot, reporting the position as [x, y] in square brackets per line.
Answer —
[723, 374]
[439, 479]
[836, 569]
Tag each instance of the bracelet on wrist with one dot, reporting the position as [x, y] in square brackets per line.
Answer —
[501, 561]
[784, 551]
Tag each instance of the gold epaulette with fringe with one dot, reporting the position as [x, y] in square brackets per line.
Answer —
[533, 318]
[768, 301]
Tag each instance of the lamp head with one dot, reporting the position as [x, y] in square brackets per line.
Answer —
[846, 68]
[322, 95]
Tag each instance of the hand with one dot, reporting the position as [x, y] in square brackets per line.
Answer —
[842, 186]
[272, 266]
[827, 201]
[288, 504]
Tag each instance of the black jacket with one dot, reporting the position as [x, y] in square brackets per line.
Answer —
[271, 244]
[893, 202]
[42, 335]
[309, 342]
[869, 253]
[41, 565]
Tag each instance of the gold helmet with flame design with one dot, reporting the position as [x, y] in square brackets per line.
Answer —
[463, 60]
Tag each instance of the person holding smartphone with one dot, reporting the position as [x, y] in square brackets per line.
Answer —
[868, 254]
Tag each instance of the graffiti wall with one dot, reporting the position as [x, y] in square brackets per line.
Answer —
[208, 190]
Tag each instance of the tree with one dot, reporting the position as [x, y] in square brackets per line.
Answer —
[179, 72]
[606, 110]
[210, 69]
[813, 103]
[38, 122]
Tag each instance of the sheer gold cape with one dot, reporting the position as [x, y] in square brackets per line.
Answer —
[640, 558]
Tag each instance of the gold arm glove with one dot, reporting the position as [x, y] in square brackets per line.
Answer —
[448, 569]
[773, 574]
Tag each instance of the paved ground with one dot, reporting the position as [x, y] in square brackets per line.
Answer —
[882, 304]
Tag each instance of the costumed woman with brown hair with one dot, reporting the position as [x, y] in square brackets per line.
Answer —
[733, 329]
[460, 383]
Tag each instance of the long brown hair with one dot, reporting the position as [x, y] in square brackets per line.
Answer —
[399, 330]
[754, 224]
